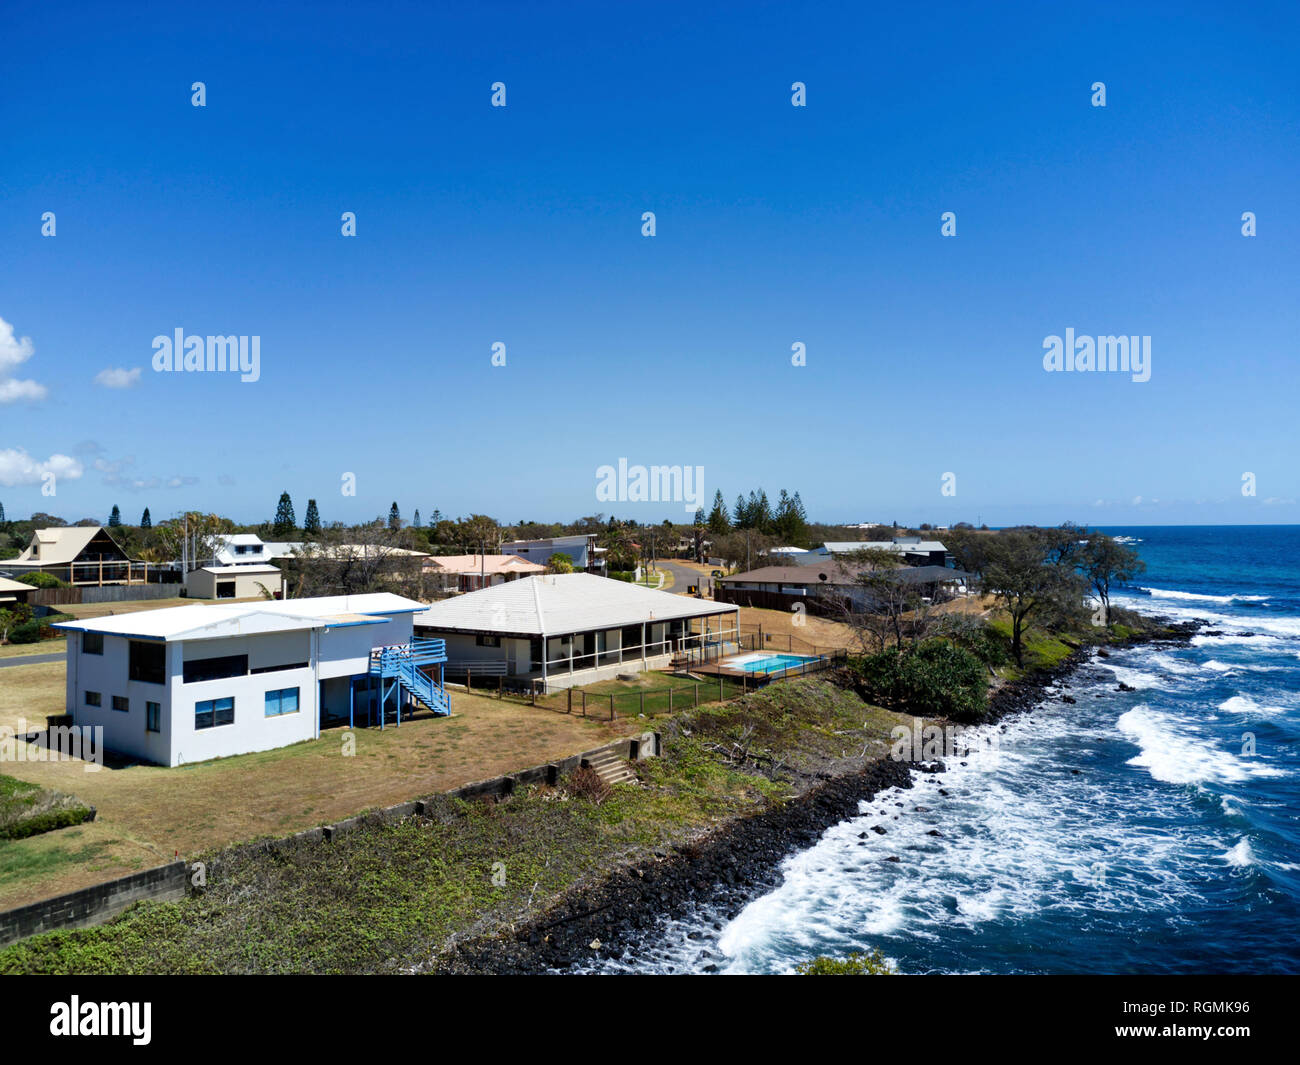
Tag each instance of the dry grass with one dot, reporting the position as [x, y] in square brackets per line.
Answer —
[30, 693]
[825, 634]
[148, 814]
[44, 647]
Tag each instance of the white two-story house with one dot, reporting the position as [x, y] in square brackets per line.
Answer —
[190, 683]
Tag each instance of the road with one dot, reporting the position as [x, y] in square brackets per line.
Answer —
[32, 660]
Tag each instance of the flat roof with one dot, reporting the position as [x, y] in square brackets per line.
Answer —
[560, 603]
[214, 621]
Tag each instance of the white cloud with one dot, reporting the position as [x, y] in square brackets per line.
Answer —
[19, 468]
[14, 351]
[115, 377]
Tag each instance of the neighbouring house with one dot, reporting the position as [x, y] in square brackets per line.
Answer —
[190, 683]
[469, 573]
[915, 551]
[573, 628]
[13, 592]
[581, 549]
[80, 554]
[247, 581]
[828, 587]
[249, 549]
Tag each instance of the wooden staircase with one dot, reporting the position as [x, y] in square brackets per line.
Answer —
[611, 768]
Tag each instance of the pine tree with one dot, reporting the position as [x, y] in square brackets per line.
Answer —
[394, 517]
[762, 513]
[740, 513]
[115, 518]
[719, 522]
[416, 520]
[2, 514]
[285, 522]
[146, 522]
[311, 521]
[699, 516]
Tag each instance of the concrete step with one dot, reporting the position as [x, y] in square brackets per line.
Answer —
[611, 768]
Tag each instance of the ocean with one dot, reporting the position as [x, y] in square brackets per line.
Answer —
[1147, 831]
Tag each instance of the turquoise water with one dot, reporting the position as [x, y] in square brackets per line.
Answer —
[1147, 831]
[772, 663]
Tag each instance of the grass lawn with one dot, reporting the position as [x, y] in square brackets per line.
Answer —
[149, 814]
[28, 694]
[41, 647]
[654, 686]
[651, 579]
[385, 897]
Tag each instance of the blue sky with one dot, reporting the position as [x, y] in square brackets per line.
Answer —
[775, 225]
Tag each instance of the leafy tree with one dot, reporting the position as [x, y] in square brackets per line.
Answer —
[856, 964]
[115, 518]
[933, 679]
[146, 522]
[1104, 562]
[394, 517]
[285, 521]
[311, 520]
[559, 563]
[1021, 572]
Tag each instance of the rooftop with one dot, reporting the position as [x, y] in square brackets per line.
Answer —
[561, 603]
[204, 622]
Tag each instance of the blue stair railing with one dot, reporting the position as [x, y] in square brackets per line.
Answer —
[401, 665]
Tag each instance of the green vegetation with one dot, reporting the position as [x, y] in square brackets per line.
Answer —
[387, 897]
[935, 678]
[36, 629]
[41, 580]
[856, 964]
[28, 810]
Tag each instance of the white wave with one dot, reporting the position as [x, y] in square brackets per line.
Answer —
[1230, 805]
[1218, 667]
[1173, 754]
[1244, 704]
[1202, 597]
[1241, 854]
[1134, 678]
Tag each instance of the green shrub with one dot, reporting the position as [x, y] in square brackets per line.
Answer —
[933, 679]
[42, 580]
[856, 964]
[628, 575]
[37, 629]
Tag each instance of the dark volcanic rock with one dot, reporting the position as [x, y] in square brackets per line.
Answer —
[738, 862]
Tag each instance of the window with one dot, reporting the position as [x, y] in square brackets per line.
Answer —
[148, 662]
[277, 669]
[92, 643]
[214, 712]
[152, 717]
[215, 668]
[92, 699]
[284, 701]
[488, 641]
[121, 702]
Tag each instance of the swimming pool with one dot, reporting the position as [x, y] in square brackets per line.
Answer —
[770, 663]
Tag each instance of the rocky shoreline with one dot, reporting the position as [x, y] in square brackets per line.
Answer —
[735, 864]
